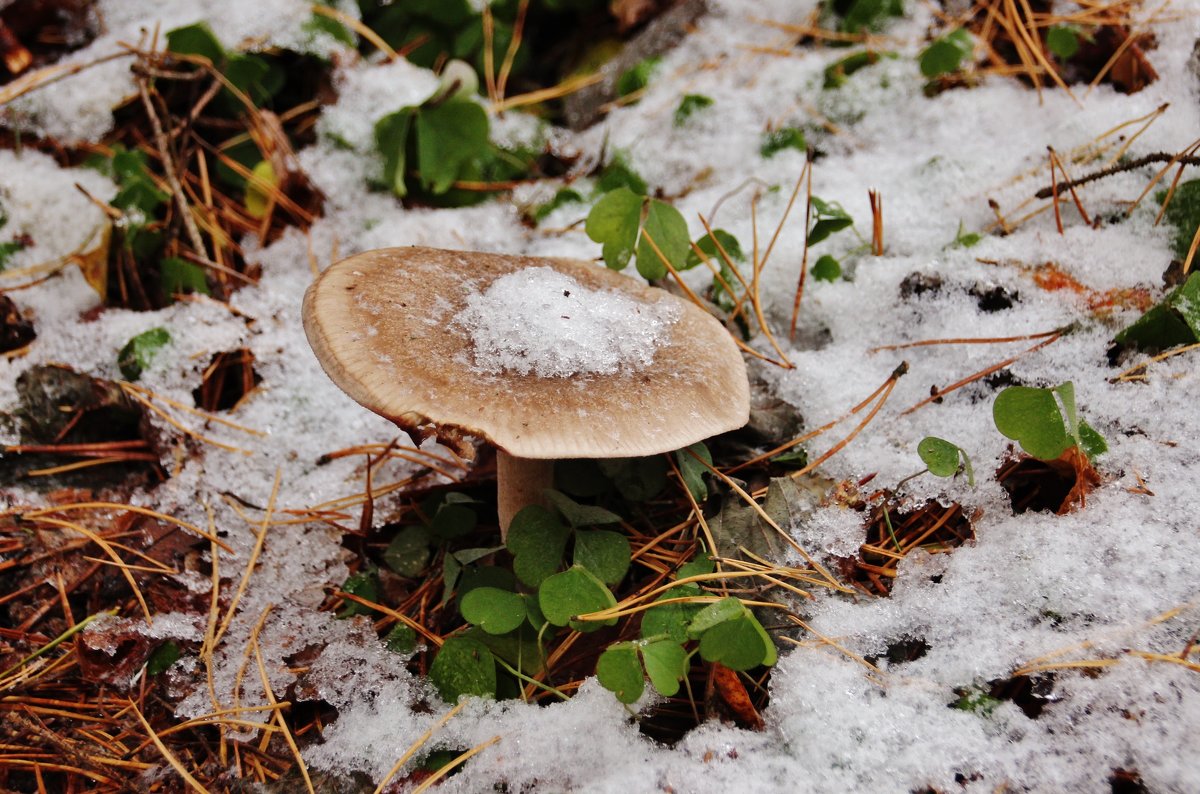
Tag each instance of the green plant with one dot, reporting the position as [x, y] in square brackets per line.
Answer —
[10, 247]
[566, 563]
[856, 16]
[637, 77]
[562, 197]
[632, 226]
[945, 459]
[1063, 40]
[138, 352]
[947, 53]
[690, 105]
[1173, 321]
[683, 624]
[776, 141]
[838, 72]
[830, 219]
[965, 239]
[1045, 422]
[430, 147]
[1183, 214]
[826, 268]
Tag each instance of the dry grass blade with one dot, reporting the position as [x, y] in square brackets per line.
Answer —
[259, 540]
[70, 507]
[166, 752]
[405, 619]
[417, 745]
[454, 764]
[749, 292]
[568, 86]
[885, 389]
[804, 257]
[107, 548]
[1137, 372]
[59, 640]
[829, 580]
[358, 27]
[983, 373]
[187, 431]
[993, 340]
[51, 74]
[278, 716]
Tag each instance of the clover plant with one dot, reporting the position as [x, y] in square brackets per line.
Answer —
[1045, 422]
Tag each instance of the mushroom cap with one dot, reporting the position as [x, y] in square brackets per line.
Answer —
[382, 326]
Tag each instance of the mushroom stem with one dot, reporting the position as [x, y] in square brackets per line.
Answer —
[520, 482]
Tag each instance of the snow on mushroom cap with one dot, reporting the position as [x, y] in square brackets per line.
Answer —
[392, 328]
[538, 320]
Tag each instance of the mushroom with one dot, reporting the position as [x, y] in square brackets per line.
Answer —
[546, 359]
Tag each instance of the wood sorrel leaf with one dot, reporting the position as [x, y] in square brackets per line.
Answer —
[618, 671]
[537, 540]
[494, 610]
[614, 222]
[463, 666]
[666, 664]
[604, 553]
[1032, 418]
[575, 591]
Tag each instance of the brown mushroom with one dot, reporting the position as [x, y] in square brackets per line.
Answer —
[409, 334]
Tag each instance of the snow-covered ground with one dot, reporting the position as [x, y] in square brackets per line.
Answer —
[1106, 582]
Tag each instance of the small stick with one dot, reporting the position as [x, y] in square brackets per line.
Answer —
[1056, 160]
[983, 373]
[160, 141]
[804, 257]
[876, 200]
[1132, 165]
[1054, 193]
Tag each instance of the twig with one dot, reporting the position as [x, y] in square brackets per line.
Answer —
[1131, 165]
[168, 163]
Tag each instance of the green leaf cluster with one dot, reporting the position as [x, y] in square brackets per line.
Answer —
[676, 628]
[565, 562]
[694, 462]
[1064, 40]
[947, 53]
[1045, 422]
[509, 611]
[430, 32]
[826, 268]
[179, 276]
[429, 147]
[1173, 321]
[830, 219]
[632, 226]
[827, 219]
[136, 354]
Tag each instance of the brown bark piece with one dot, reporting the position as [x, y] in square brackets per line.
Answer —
[586, 106]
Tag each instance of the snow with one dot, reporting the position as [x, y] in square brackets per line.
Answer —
[545, 322]
[1100, 587]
